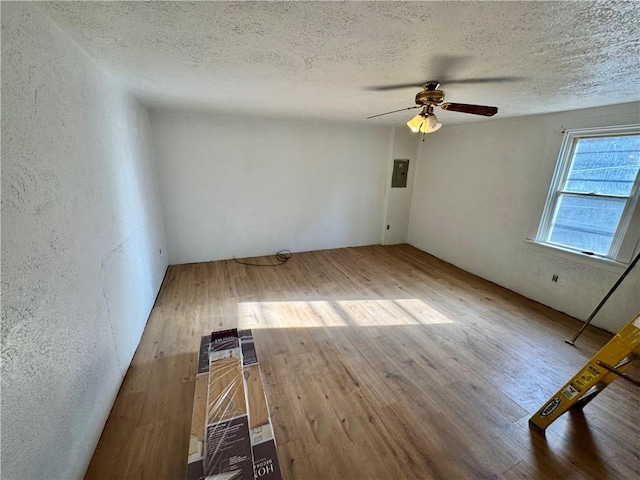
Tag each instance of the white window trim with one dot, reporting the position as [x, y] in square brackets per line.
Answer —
[624, 242]
[573, 255]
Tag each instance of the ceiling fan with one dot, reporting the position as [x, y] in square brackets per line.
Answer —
[430, 97]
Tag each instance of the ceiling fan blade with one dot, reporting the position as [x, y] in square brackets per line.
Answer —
[382, 88]
[394, 111]
[445, 82]
[441, 66]
[473, 109]
[464, 81]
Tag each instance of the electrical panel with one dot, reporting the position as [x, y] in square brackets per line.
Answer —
[400, 172]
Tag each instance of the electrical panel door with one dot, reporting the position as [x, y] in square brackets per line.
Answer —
[400, 172]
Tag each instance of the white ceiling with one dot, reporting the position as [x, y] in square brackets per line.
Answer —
[316, 59]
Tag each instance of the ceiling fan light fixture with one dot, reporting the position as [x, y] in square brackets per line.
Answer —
[431, 124]
[424, 122]
[416, 123]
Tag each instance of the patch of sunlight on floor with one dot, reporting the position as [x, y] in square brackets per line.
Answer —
[288, 315]
[406, 311]
[340, 313]
[421, 311]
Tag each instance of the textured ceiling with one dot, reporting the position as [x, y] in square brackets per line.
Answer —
[316, 59]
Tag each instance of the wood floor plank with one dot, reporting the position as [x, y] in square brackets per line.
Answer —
[377, 362]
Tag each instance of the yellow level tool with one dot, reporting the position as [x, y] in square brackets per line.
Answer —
[608, 364]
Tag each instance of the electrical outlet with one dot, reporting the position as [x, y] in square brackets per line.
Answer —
[554, 278]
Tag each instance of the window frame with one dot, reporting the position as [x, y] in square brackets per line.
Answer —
[556, 189]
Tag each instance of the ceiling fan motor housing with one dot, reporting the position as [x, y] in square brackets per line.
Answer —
[430, 97]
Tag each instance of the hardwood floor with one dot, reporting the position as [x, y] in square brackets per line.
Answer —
[378, 362]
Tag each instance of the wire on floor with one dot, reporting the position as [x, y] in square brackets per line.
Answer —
[282, 257]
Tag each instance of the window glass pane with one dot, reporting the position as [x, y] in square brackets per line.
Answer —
[606, 165]
[586, 223]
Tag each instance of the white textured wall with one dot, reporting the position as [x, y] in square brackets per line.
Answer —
[479, 192]
[237, 186]
[404, 146]
[81, 233]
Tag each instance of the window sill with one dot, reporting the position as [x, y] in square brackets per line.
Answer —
[591, 260]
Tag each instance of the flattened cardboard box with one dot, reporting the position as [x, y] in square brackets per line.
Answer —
[263, 442]
[219, 446]
[199, 412]
[231, 434]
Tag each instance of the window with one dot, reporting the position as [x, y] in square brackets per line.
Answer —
[594, 191]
